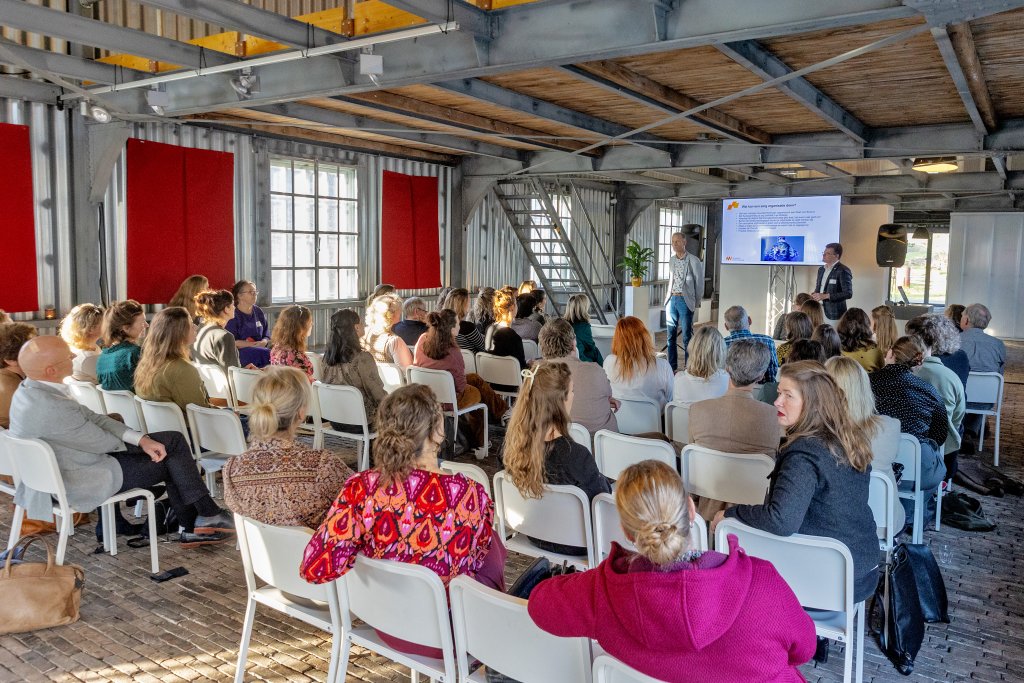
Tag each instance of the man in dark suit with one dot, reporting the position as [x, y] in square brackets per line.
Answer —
[835, 282]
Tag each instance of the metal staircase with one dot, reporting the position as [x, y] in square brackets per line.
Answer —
[531, 210]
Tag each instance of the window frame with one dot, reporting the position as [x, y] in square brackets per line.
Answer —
[665, 231]
[562, 202]
[930, 266]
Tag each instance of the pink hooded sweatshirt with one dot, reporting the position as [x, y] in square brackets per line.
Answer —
[722, 618]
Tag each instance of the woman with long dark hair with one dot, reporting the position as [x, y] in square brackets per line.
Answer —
[345, 362]
[858, 340]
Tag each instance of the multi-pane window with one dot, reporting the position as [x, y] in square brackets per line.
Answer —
[669, 222]
[314, 240]
[557, 253]
[923, 273]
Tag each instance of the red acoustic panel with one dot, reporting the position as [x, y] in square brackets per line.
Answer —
[19, 291]
[210, 216]
[410, 252]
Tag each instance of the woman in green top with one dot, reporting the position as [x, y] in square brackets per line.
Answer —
[123, 324]
[577, 314]
[164, 372]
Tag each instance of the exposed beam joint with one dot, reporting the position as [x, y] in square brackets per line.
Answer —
[470, 18]
[18, 88]
[45, 62]
[828, 169]
[956, 45]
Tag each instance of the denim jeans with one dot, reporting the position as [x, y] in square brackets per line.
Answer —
[677, 315]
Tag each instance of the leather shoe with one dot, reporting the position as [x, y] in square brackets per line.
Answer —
[192, 539]
[221, 522]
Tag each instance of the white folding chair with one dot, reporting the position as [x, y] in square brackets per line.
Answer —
[581, 435]
[503, 370]
[608, 528]
[7, 470]
[820, 572]
[986, 387]
[468, 470]
[122, 402]
[220, 433]
[638, 415]
[530, 350]
[392, 375]
[269, 555]
[35, 465]
[738, 478]
[242, 382]
[317, 361]
[561, 515]
[607, 669]
[496, 630]
[442, 384]
[469, 360]
[341, 404]
[677, 421]
[603, 338]
[882, 501]
[87, 394]
[909, 455]
[405, 601]
[615, 452]
[215, 379]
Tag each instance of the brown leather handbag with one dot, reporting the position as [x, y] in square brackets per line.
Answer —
[34, 595]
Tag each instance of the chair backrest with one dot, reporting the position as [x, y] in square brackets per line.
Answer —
[271, 553]
[243, 381]
[215, 379]
[677, 421]
[638, 415]
[216, 430]
[392, 375]
[87, 394]
[603, 338]
[440, 382]
[985, 387]
[7, 459]
[163, 416]
[607, 669]
[908, 454]
[581, 435]
[469, 360]
[739, 478]
[499, 369]
[35, 465]
[342, 404]
[531, 351]
[123, 403]
[818, 569]
[497, 630]
[615, 452]
[560, 515]
[468, 470]
[317, 361]
[608, 528]
[882, 501]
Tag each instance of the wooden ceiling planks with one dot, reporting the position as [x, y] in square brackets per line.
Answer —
[997, 40]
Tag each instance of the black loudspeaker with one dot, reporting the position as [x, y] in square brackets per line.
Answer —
[891, 250]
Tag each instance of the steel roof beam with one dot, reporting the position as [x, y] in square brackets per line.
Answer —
[972, 90]
[45, 62]
[18, 88]
[469, 17]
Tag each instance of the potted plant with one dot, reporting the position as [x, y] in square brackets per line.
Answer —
[637, 262]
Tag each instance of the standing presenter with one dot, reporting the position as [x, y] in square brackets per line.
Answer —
[835, 282]
[685, 289]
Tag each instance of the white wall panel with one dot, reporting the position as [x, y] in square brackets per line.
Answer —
[986, 265]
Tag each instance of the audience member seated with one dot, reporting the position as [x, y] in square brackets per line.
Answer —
[821, 478]
[81, 329]
[123, 324]
[483, 309]
[736, 422]
[437, 350]
[164, 372]
[469, 337]
[737, 324]
[380, 290]
[523, 325]
[538, 449]
[379, 338]
[798, 326]
[806, 349]
[883, 326]
[214, 345]
[414, 321]
[345, 362]
[538, 310]
[633, 368]
[446, 518]
[858, 341]
[673, 612]
[827, 336]
[249, 326]
[935, 331]
[955, 312]
[279, 480]
[526, 286]
[915, 403]
[985, 353]
[99, 456]
[12, 337]
[500, 339]
[705, 375]
[577, 314]
[947, 349]
[814, 311]
[780, 322]
[185, 297]
[442, 295]
[289, 337]
[594, 407]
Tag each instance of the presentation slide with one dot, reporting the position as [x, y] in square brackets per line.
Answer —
[778, 230]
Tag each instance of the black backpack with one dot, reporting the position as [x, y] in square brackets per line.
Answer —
[896, 617]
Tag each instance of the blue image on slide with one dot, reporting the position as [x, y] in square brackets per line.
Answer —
[782, 249]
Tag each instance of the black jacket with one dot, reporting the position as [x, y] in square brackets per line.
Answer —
[839, 288]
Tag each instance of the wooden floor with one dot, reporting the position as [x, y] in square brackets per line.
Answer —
[187, 629]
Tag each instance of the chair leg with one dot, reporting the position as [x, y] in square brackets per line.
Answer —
[154, 553]
[851, 625]
[211, 482]
[860, 625]
[918, 517]
[364, 456]
[414, 674]
[243, 646]
[938, 507]
[66, 524]
[109, 528]
[995, 457]
[19, 515]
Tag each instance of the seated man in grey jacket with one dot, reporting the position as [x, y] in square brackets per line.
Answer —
[99, 456]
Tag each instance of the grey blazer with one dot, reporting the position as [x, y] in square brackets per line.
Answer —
[80, 440]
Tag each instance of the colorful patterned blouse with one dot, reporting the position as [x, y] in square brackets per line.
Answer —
[282, 356]
[440, 521]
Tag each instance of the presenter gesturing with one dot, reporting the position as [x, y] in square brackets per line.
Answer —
[835, 282]
[685, 289]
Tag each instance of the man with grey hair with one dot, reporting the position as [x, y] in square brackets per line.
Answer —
[414, 321]
[737, 324]
[737, 422]
[985, 354]
[592, 403]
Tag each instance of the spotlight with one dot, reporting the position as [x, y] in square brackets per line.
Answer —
[246, 83]
[94, 112]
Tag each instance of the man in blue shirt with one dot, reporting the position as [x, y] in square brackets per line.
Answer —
[985, 353]
[737, 322]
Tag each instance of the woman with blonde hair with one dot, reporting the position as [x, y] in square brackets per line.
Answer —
[705, 375]
[822, 472]
[577, 314]
[123, 325]
[214, 344]
[379, 290]
[798, 326]
[289, 337]
[538, 449]
[883, 325]
[814, 311]
[468, 337]
[858, 340]
[81, 329]
[279, 480]
[500, 339]
[526, 286]
[483, 309]
[185, 297]
[164, 372]
[673, 612]
[882, 430]
[378, 339]
[633, 368]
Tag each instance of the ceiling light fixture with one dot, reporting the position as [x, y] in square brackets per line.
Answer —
[936, 164]
[921, 233]
[246, 83]
[94, 112]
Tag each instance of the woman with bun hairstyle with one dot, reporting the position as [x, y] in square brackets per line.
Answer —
[123, 325]
[81, 329]
[186, 295]
[214, 345]
[291, 331]
[279, 480]
[672, 612]
[249, 326]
